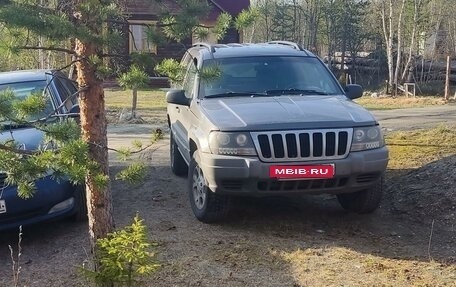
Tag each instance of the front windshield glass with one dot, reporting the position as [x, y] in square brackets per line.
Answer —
[22, 90]
[264, 76]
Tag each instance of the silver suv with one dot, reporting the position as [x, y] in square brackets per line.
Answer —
[271, 119]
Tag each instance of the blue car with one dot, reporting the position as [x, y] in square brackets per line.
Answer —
[52, 199]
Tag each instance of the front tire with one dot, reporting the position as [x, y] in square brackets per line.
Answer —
[178, 165]
[80, 204]
[364, 201]
[207, 206]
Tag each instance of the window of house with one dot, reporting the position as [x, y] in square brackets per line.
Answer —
[138, 37]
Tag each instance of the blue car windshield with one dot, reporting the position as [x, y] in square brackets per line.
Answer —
[22, 90]
[267, 76]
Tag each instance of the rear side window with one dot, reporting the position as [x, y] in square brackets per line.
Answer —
[22, 90]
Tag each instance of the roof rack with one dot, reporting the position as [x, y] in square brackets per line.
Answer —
[235, 45]
[206, 45]
[286, 43]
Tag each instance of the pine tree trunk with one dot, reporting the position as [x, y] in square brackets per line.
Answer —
[134, 103]
[93, 125]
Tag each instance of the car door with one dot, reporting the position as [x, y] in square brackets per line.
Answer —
[180, 116]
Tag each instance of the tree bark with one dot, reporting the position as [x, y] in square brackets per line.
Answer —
[93, 126]
[94, 133]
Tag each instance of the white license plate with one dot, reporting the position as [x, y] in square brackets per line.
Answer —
[2, 206]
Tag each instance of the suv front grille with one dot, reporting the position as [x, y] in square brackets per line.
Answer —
[302, 145]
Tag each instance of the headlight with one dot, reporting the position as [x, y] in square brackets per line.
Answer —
[367, 138]
[231, 144]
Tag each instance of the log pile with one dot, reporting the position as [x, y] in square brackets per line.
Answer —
[430, 70]
[368, 65]
[362, 62]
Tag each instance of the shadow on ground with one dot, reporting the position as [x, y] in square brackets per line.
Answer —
[305, 241]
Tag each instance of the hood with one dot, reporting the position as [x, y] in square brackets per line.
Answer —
[285, 112]
[28, 138]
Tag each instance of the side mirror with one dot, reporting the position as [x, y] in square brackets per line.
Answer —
[177, 97]
[74, 111]
[354, 91]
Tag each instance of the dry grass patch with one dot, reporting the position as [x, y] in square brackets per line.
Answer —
[148, 99]
[399, 102]
[151, 104]
[329, 267]
[413, 149]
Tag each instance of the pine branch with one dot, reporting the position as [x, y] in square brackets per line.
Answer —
[16, 150]
[55, 49]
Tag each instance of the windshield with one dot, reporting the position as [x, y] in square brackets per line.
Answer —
[268, 76]
[22, 90]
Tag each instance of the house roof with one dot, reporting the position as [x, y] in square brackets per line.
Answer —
[232, 7]
[150, 7]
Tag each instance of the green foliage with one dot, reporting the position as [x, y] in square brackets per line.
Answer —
[144, 61]
[222, 25]
[210, 73]
[154, 35]
[64, 132]
[181, 26]
[136, 172]
[175, 71]
[134, 79]
[61, 153]
[6, 104]
[201, 33]
[30, 106]
[133, 174]
[125, 256]
[12, 58]
[246, 18]
[172, 69]
[137, 144]
[42, 21]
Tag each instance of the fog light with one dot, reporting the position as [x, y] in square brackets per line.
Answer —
[62, 205]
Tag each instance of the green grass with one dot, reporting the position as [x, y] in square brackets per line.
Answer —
[399, 102]
[413, 149]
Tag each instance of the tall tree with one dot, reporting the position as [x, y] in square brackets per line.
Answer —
[83, 21]
[84, 24]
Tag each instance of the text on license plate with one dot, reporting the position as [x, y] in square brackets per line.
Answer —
[2, 206]
[302, 171]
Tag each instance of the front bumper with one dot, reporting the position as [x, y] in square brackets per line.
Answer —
[250, 176]
[49, 193]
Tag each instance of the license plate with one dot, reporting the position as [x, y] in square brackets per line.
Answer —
[2, 206]
[302, 171]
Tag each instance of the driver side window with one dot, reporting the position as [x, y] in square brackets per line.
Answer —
[189, 80]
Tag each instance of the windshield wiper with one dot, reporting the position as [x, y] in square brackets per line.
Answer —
[236, 94]
[296, 92]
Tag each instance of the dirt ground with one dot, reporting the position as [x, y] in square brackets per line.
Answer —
[305, 241]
